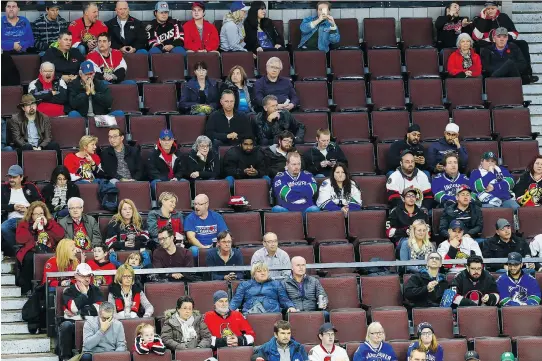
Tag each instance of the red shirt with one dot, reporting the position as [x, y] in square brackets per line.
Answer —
[234, 322]
[80, 168]
[80, 236]
[455, 64]
[81, 33]
[51, 266]
[101, 280]
[209, 40]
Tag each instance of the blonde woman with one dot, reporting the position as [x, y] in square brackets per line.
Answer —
[418, 245]
[427, 342]
[166, 215]
[84, 166]
[126, 230]
[375, 348]
[128, 296]
[66, 259]
[232, 34]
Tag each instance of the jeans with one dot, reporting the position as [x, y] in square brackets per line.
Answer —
[76, 114]
[86, 357]
[231, 180]
[84, 181]
[130, 82]
[82, 49]
[66, 335]
[280, 209]
[175, 50]
[8, 236]
[142, 51]
[510, 203]
[27, 272]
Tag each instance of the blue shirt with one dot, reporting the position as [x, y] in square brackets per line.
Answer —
[20, 32]
[206, 229]
[243, 103]
[264, 40]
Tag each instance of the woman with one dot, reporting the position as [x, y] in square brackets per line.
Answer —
[232, 33]
[261, 294]
[374, 348]
[202, 162]
[528, 189]
[427, 342]
[65, 260]
[166, 215]
[340, 192]
[58, 191]
[260, 31]
[451, 25]
[200, 94]
[128, 296]
[464, 62]
[184, 327]
[418, 245]
[38, 233]
[84, 166]
[237, 82]
[126, 230]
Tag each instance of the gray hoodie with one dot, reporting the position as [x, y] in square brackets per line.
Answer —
[95, 341]
[232, 35]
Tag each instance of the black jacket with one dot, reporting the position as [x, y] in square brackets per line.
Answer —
[470, 292]
[31, 193]
[230, 86]
[48, 193]
[473, 220]
[251, 34]
[157, 167]
[134, 33]
[63, 65]
[495, 248]
[36, 89]
[190, 94]
[314, 157]
[132, 156]
[101, 101]
[416, 289]
[84, 303]
[399, 220]
[10, 72]
[210, 169]
[394, 154]
[493, 60]
[486, 25]
[528, 191]
[235, 161]
[448, 29]
[218, 127]
[267, 131]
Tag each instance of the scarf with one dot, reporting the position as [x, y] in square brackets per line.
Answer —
[168, 158]
[417, 252]
[44, 83]
[59, 198]
[187, 328]
[467, 60]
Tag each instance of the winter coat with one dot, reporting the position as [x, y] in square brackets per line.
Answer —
[132, 157]
[232, 35]
[416, 289]
[271, 294]
[235, 161]
[528, 191]
[77, 305]
[448, 29]
[267, 26]
[472, 218]
[21, 32]
[172, 334]
[157, 167]
[47, 31]
[208, 170]
[51, 105]
[249, 93]
[268, 131]
[438, 150]
[314, 157]
[282, 88]
[400, 220]
[484, 26]
[213, 259]
[140, 305]
[218, 127]
[394, 154]
[455, 64]
[134, 33]
[193, 41]
[18, 127]
[269, 351]
[168, 33]
[155, 221]
[492, 59]
[48, 192]
[101, 101]
[326, 35]
[305, 299]
[31, 193]
[64, 65]
[494, 247]
[29, 238]
[190, 94]
[91, 225]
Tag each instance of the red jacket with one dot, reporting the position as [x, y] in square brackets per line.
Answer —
[192, 40]
[455, 63]
[51, 266]
[234, 322]
[28, 237]
[79, 31]
[101, 280]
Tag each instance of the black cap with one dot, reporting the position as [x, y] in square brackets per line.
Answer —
[326, 327]
[514, 258]
[405, 152]
[471, 355]
[490, 3]
[414, 128]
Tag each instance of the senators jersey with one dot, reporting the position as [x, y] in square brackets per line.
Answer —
[168, 33]
[82, 33]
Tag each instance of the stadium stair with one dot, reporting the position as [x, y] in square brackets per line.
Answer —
[17, 343]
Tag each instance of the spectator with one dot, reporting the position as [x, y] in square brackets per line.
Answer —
[31, 129]
[427, 342]
[67, 60]
[340, 192]
[184, 328]
[426, 288]
[57, 192]
[226, 126]
[109, 64]
[503, 243]
[127, 33]
[445, 185]
[273, 257]
[165, 34]
[274, 84]
[51, 92]
[128, 296]
[100, 262]
[203, 226]
[81, 227]
[237, 82]
[85, 165]
[448, 144]
[536, 248]
[223, 255]
[202, 162]
[121, 162]
[493, 183]
[403, 216]
[458, 245]
[417, 355]
[65, 260]
[244, 161]
[518, 288]
[228, 328]
[271, 122]
[465, 210]
[170, 256]
[147, 341]
[528, 189]
[232, 33]
[48, 26]
[473, 356]
[407, 176]
[321, 158]
[85, 37]
[164, 163]
[319, 32]
[474, 286]
[199, 34]
[375, 347]
[126, 230]
[17, 34]
[411, 143]
[418, 246]
[17, 195]
[200, 94]
[306, 292]
[37, 232]
[136, 260]
[294, 188]
[327, 348]
[464, 62]
[260, 32]
[103, 333]
[166, 215]
[281, 343]
[5, 146]
[275, 155]
[450, 26]
[261, 294]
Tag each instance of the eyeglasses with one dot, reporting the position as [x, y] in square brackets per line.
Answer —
[428, 333]
[410, 195]
[128, 276]
[226, 242]
[113, 136]
[203, 146]
[274, 67]
[200, 204]
[75, 208]
[378, 333]
[272, 241]
[434, 258]
[160, 239]
[38, 214]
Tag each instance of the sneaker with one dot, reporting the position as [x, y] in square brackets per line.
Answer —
[534, 79]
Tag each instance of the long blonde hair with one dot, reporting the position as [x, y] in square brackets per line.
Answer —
[412, 243]
[237, 18]
[28, 215]
[63, 255]
[136, 220]
[370, 329]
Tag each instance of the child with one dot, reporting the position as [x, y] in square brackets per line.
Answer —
[137, 260]
[148, 341]
[101, 263]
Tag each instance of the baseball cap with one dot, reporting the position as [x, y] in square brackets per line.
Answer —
[491, 3]
[489, 155]
[456, 224]
[161, 6]
[238, 5]
[15, 170]
[84, 269]
[452, 128]
[471, 355]
[501, 223]
[508, 356]
[326, 327]
[501, 31]
[87, 67]
[166, 133]
[423, 326]
[414, 128]
[198, 4]
[410, 190]
[52, 5]
[514, 258]
[405, 152]
[462, 188]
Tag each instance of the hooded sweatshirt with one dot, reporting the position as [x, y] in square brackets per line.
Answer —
[485, 26]
[232, 35]
[47, 31]
[438, 150]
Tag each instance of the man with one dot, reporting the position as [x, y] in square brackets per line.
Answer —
[273, 84]
[446, 184]
[121, 162]
[271, 122]
[503, 243]
[169, 255]
[408, 176]
[16, 197]
[412, 143]
[319, 32]
[474, 286]
[458, 245]
[30, 129]
[224, 255]
[127, 33]
[80, 227]
[473, 356]
[228, 328]
[203, 226]
[403, 215]
[504, 59]
[508, 356]
[100, 262]
[48, 26]
[449, 26]
[164, 34]
[164, 162]
[321, 158]
[327, 350]
[426, 288]
[448, 144]
[294, 188]
[466, 211]
[244, 162]
[200, 35]
[66, 59]
[86, 29]
[518, 288]
[226, 126]
[17, 34]
[303, 290]
[275, 155]
[50, 91]
[109, 64]
[103, 333]
[273, 257]
[281, 344]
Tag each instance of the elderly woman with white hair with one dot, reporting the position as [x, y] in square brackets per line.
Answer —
[202, 162]
[80, 227]
[464, 62]
[375, 348]
[52, 92]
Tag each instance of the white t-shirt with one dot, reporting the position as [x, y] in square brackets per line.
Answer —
[17, 197]
[122, 23]
[318, 353]
[323, 151]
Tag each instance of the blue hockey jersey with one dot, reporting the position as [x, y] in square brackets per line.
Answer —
[522, 292]
[366, 352]
[444, 187]
[294, 193]
[500, 178]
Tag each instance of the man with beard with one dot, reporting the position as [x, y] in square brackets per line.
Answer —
[503, 243]
[17, 34]
[52, 92]
[275, 155]
[475, 286]
[426, 288]
[244, 162]
[446, 184]
[48, 26]
[66, 59]
[458, 245]
[86, 29]
[466, 211]
[448, 144]
[109, 64]
[412, 143]
[282, 344]
[518, 288]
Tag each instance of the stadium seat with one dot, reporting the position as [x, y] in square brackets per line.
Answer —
[114, 356]
[378, 32]
[349, 33]
[202, 260]
[247, 253]
[422, 62]
[360, 158]
[256, 191]
[312, 122]
[235, 353]
[349, 95]
[347, 64]
[79, 334]
[384, 62]
[287, 226]
[513, 123]
[504, 91]
[350, 126]
[262, 324]
[529, 220]
[491, 348]
[325, 227]
[394, 320]
[440, 318]
[384, 250]
[169, 67]
[242, 58]
[416, 32]
[11, 96]
[246, 228]
[264, 56]
[425, 93]
[295, 33]
[431, 122]
[218, 192]
[521, 321]
[373, 191]
[437, 213]
[28, 66]
[130, 326]
[538, 276]
[137, 67]
[400, 348]
[342, 292]
[464, 92]
[89, 193]
[181, 189]
[478, 321]
[38, 165]
[67, 131]
[211, 59]
[517, 154]
[39, 262]
[454, 349]
[305, 325]
[312, 95]
[389, 126]
[381, 291]
[164, 296]
[222, 150]
[382, 150]
[474, 124]
[125, 97]
[529, 348]
[351, 348]
[187, 128]
[8, 159]
[152, 356]
[491, 215]
[194, 354]
[310, 64]
[160, 98]
[475, 151]
[145, 129]
[336, 253]
[351, 324]
[305, 251]
[138, 192]
[446, 52]
[103, 133]
[202, 293]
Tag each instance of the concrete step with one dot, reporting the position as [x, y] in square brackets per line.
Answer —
[519, 7]
[11, 291]
[536, 58]
[9, 266]
[14, 328]
[532, 89]
[24, 344]
[537, 68]
[535, 110]
[7, 280]
[535, 99]
[528, 28]
[12, 316]
[531, 38]
[31, 357]
[13, 303]
[534, 17]
[535, 48]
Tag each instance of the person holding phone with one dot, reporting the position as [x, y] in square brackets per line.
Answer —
[319, 32]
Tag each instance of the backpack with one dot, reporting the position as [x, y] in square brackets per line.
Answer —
[109, 196]
[34, 312]
[378, 270]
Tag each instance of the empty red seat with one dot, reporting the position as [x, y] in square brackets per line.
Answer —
[152, 357]
[38, 165]
[529, 220]
[422, 62]
[89, 193]
[235, 353]
[305, 251]
[310, 64]
[491, 215]
[342, 292]
[246, 228]
[218, 192]
[187, 128]
[425, 93]
[39, 262]
[491, 348]
[202, 293]
[379, 32]
[11, 96]
[474, 124]
[103, 133]
[390, 125]
[360, 158]
[351, 348]
[264, 56]
[312, 95]
[384, 62]
[160, 98]
[431, 122]
[164, 296]
[28, 66]
[349, 33]
[112, 356]
[234, 58]
[194, 354]
[475, 151]
[350, 126]
[181, 189]
[304, 325]
[373, 190]
[512, 123]
[247, 253]
[295, 33]
[350, 324]
[326, 226]
[145, 129]
[8, 159]
[464, 92]
[256, 191]
[211, 59]
[349, 95]
[138, 192]
[312, 122]
[522, 321]
[517, 154]
[381, 291]
[529, 348]
[384, 250]
[287, 226]
[336, 253]
[400, 348]
[454, 349]
[125, 98]
[137, 67]
[440, 318]
[416, 32]
[394, 320]
[262, 324]
[169, 67]
[382, 150]
[347, 64]
[67, 131]
[504, 91]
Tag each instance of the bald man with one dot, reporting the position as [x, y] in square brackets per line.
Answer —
[273, 257]
[127, 33]
[313, 297]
